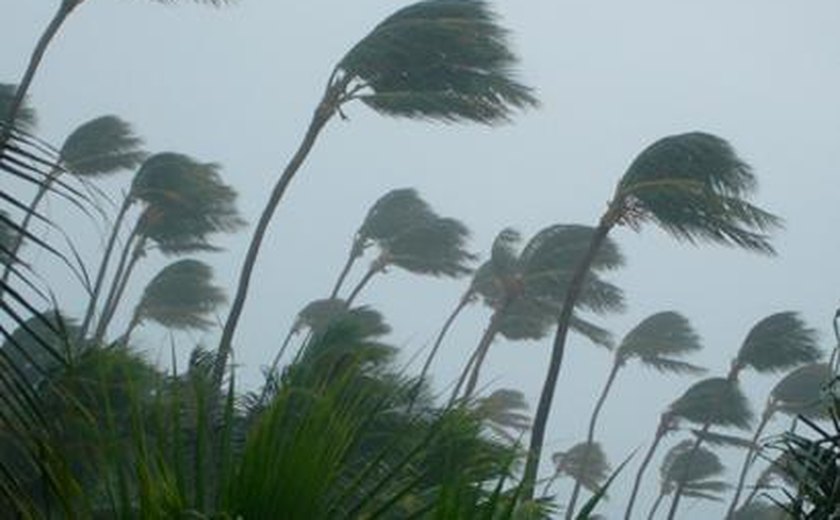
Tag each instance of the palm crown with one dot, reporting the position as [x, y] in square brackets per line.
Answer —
[659, 341]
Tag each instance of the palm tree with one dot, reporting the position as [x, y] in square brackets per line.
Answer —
[26, 118]
[694, 471]
[584, 463]
[101, 146]
[658, 342]
[524, 290]
[694, 187]
[180, 296]
[800, 392]
[503, 412]
[713, 401]
[439, 60]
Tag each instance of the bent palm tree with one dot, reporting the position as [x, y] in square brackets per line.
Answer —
[691, 470]
[694, 187]
[584, 462]
[658, 342]
[440, 60]
[525, 290]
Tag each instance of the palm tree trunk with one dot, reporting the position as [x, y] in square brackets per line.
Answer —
[558, 349]
[274, 364]
[362, 283]
[590, 434]
[325, 110]
[103, 268]
[482, 349]
[661, 430]
[656, 505]
[465, 300]
[135, 321]
[748, 460]
[675, 502]
[351, 259]
[118, 288]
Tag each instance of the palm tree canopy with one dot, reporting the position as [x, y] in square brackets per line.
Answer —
[778, 342]
[100, 146]
[584, 462]
[696, 188]
[26, 117]
[445, 60]
[659, 340]
[435, 247]
[186, 201]
[390, 215]
[802, 391]
[319, 315]
[504, 410]
[694, 470]
[181, 296]
[715, 400]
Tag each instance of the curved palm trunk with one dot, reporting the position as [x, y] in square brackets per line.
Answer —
[482, 350]
[117, 278]
[748, 460]
[362, 283]
[111, 309]
[325, 110]
[103, 268]
[135, 321]
[656, 505]
[661, 430]
[558, 349]
[274, 364]
[351, 259]
[675, 502]
[465, 300]
[590, 434]
[64, 10]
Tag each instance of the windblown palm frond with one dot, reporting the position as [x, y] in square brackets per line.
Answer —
[659, 340]
[778, 342]
[435, 247]
[392, 214]
[504, 413]
[444, 60]
[694, 469]
[26, 117]
[181, 296]
[585, 463]
[717, 401]
[319, 315]
[696, 187]
[101, 146]
[802, 391]
[39, 345]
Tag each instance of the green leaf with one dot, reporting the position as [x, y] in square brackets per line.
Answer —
[101, 146]
[779, 342]
[585, 463]
[717, 401]
[658, 340]
[802, 391]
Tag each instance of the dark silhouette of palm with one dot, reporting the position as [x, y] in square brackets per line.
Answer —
[584, 462]
[503, 412]
[26, 117]
[437, 60]
[693, 471]
[694, 187]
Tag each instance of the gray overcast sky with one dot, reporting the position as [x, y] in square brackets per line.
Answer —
[237, 86]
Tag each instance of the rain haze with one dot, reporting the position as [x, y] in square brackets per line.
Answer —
[238, 85]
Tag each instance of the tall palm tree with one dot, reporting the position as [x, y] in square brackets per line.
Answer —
[525, 289]
[98, 147]
[694, 471]
[693, 186]
[658, 342]
[181, 296]
[439, 60]
[713, 401]
[800, 392]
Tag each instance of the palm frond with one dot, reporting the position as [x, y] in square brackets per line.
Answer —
[101, 146]
[26, 118]
[695, 187]
[722, 439]
[392, 214]
[504, 413]
[584, 462]
[435, 247]
[802, 391]
[660, 338]
[778, 342]
[319, 315]
[717, 401]
[445, 60]
[691, 467]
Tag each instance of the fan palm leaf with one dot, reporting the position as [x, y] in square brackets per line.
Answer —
[585, 463]
[444, 60]
[778, 342]
[696, 188]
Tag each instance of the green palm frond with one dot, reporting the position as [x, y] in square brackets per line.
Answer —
[504, 413]
[802, 391]
[695, 187]
[392, 214]
[26, 118]
[717, 401]
[101, 146]
[39, 345]
[693, 468]
[435, 247]
[181, 296]
[319, 315]
[660, 338]
[445, 60]
[724, 440]
[585, 463]
[778, 342]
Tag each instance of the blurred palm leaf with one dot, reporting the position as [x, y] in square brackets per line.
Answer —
[319, 315]
[778, 342]
[101, 146]
[802, 391]
[695, 187]
[438, 59]
[585, 463]
[659, 340]
[716, 401]
[7, 239]
[694, 469]
[26, 117]
[758, 510]
[504, 413]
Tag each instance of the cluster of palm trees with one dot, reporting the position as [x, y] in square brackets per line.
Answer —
[337, 430]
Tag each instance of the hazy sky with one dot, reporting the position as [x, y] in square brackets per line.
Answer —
[238, 85]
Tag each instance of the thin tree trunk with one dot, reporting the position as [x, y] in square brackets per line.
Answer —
[661, 430]
[351, 259]
[103, 268]
[64, 10]
[465, 300]
[748, 460]
[274, 364]
[656, 505]
[362, 284]
[675, 502]
[556, 361]
[135, 321]
[111, 310]
[117, 278]
[325, 110]
[482, 350]
[590, 434]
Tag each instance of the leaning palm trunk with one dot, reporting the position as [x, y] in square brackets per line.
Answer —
[119, 285]
[678, 492]
[656, 505]
[748, 460]
[325, 110]
[351, 259]
[661, 430]
[481, 353]
[590, 434]
[558, 349]
[376, 267]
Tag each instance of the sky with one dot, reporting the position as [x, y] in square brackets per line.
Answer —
[237, 86]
